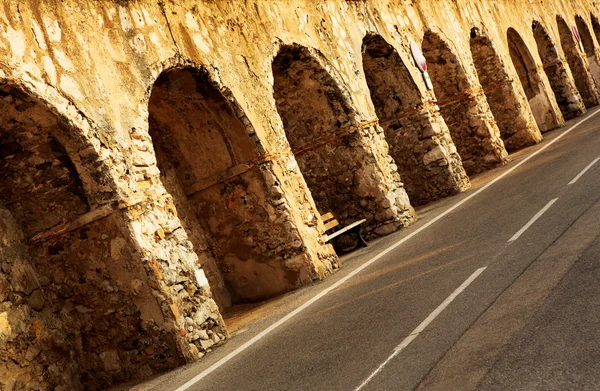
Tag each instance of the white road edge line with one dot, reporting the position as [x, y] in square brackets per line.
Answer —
[584, 171]
[415, 333]
[533, 220]
[368, 263]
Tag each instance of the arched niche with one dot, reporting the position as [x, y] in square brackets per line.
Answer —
[590, 48]
[77, 306]
[567, 97]
[225, 195]
[531, 81]
[343, 161]
[512, 115]
[419, 140]
[465, 111]
[578, 64]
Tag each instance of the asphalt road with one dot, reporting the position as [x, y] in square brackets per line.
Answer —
[527, 321]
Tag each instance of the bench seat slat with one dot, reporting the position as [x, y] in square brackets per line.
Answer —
[327, 216]
[331, 224]
[344, 230]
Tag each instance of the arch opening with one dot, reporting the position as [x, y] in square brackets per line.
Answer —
[535, 91]
[467, 114]
[512, 117]
[344, 164]
[577, 64]
[419, 139]
[312, 107]
[209, 163]
[595, 26]
[76, 309]
[590, 49]
[567, 96]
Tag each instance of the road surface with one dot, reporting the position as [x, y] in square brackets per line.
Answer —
[493, 289]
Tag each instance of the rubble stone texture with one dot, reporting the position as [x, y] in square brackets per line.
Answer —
[419, 139]
[338, 157]
[464, 108]
[590, 48]
[595, 26]
[79, 307]
[547, 116]
[512, 114]
[584, 79]
[211, 163]
[161, 161]
[559, 75]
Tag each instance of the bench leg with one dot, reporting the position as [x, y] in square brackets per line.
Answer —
[356, 231]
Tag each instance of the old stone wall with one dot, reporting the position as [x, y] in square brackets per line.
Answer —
[464, 108]
[559, 75]
[160, 161]
[338, 157]
[578, 62]
[75, 295]
[533, 82]
[419, 139]
[516, 123]
[208, 160]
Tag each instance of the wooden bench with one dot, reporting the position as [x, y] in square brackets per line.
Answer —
[330, 223]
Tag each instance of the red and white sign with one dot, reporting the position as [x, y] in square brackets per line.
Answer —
[578, 37]
[421, 63]
[418, 56]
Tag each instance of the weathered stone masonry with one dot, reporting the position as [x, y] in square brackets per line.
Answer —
[211, 163]
[76, 293]
[545, 111]
[162, 161]
[339, 158]
[516, 122]
[464, 107]
[419, 139]
[584, 79]
[557, 70]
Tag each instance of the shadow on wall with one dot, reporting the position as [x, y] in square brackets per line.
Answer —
[569, 101]
[578, 64]
[590, 49]
[207, 158]
[514, 119]
[76, 307]
[465, 110]
[531, 81]
[344, 163]
[419, 140]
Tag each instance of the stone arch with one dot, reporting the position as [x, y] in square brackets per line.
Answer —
[343, 161]
[569, 101]
[531, 81]
[577, 64]
[595, 26]
[514, 119]
[77, 307]
[419, 139]
[224, 191]
[465, 111]
[590, 48]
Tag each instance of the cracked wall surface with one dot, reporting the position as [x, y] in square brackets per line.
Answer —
[162, 161]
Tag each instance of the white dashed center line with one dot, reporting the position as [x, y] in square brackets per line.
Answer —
[415, 333]
[584, 171]
[533, 220]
